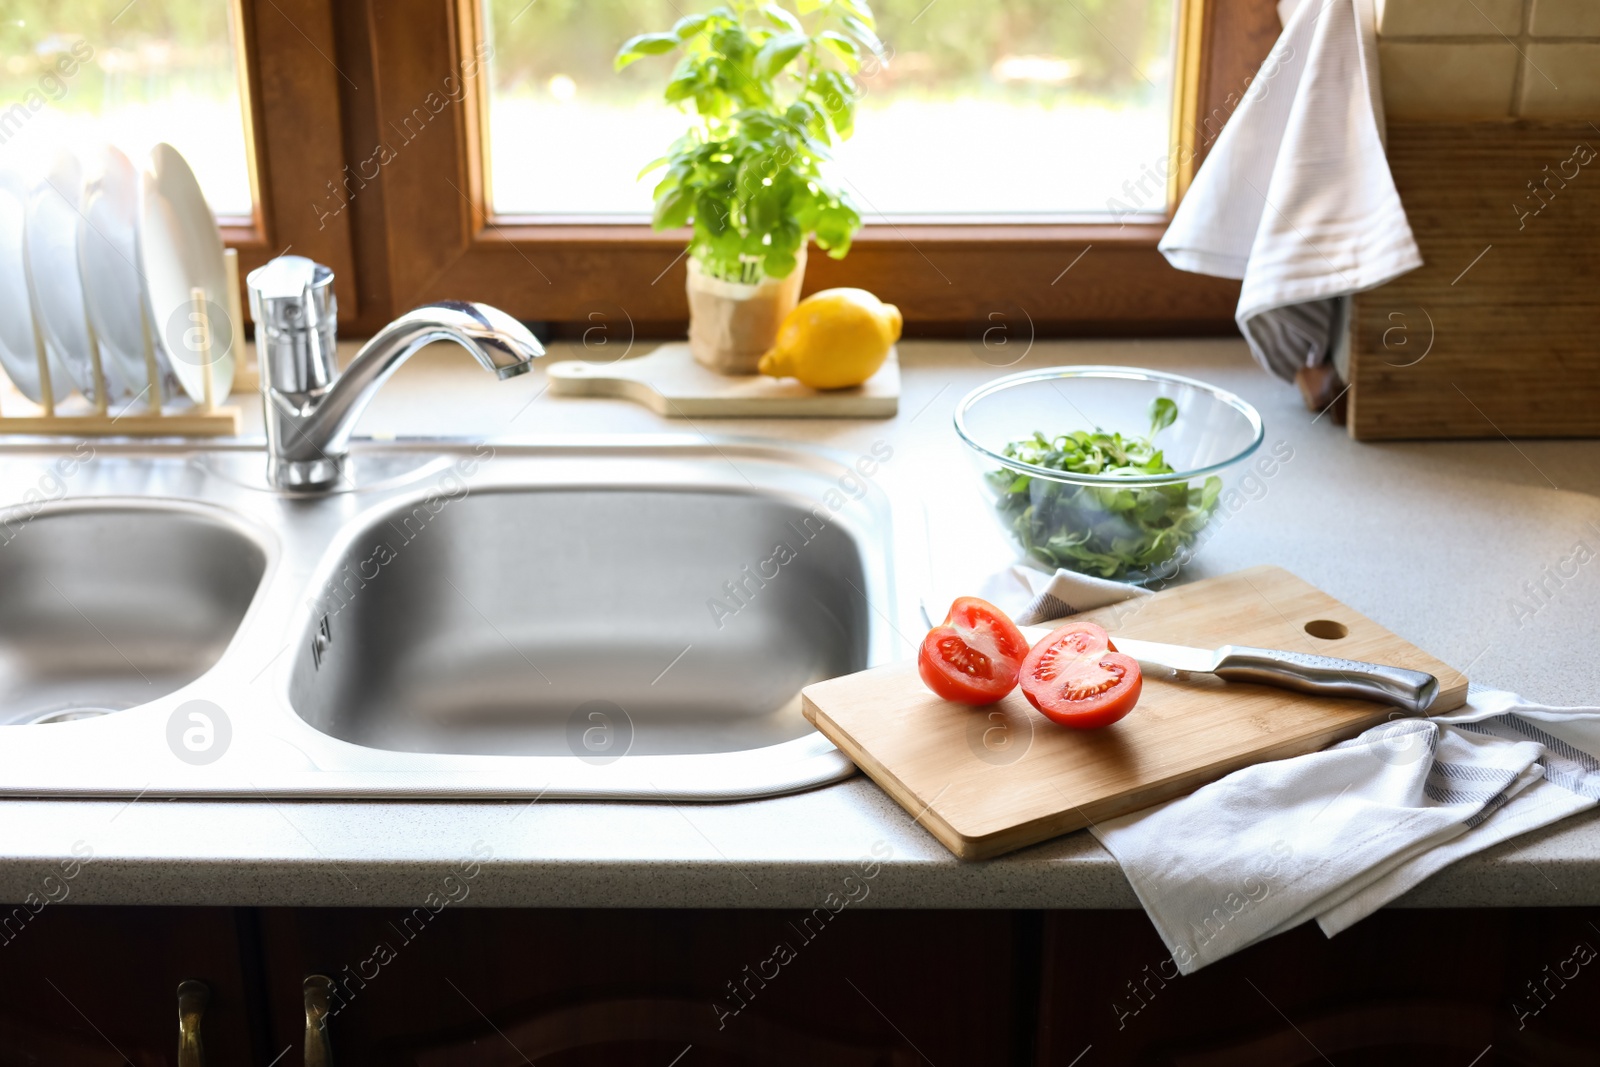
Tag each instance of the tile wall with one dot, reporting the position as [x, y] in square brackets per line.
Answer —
[1490, 59]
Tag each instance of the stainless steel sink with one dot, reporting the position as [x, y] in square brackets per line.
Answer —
[107, 606]
[589, 618]
[502, 623]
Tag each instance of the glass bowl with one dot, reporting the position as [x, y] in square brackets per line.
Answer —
[1132, 510]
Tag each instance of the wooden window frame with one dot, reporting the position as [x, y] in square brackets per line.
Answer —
[290, 83]
[333, 83]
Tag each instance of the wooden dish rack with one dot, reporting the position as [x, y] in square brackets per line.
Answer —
[206, 418]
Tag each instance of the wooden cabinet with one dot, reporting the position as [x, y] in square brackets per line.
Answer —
[478, 987]
[474, 988]
[86, 986]
[1480, 988]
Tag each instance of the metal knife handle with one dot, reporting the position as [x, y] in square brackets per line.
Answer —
[1412, 691]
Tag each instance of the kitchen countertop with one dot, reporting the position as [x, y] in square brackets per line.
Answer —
[1433, 540]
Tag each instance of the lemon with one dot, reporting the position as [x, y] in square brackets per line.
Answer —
[833, 339]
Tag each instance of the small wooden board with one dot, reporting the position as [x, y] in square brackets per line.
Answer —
[985, 781]
[669, 382]
[1494, 335]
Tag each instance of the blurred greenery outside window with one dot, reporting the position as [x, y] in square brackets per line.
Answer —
[992, 107]
[86, 72]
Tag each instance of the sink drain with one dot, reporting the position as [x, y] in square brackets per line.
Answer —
[70, 715]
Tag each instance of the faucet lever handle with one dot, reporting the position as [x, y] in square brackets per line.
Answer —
[296, 316]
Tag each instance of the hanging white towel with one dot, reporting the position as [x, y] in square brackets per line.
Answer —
[1296, 198]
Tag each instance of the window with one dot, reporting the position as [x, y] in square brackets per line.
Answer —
[986, 155]
[1031, 108]
[96, 71]
[248, 91]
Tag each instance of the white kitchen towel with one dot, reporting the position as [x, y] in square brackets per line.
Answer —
[1569, 738]
[1332, 835]
[1261, 850]
[1032, 596]
[1296, 198]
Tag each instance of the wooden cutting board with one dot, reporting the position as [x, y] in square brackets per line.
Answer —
[985, 781]
[669, 382]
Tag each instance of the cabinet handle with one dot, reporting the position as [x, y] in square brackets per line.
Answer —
[318, 991]
[192, 999]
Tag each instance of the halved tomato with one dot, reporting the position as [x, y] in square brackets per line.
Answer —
[1077, 678]
[973, 658]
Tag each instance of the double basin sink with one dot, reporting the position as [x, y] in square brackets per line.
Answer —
[622, 618]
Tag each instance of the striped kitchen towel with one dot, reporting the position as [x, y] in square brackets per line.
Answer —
[1296, 198]
[1337, 834]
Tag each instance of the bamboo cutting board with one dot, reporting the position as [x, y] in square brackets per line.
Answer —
[669, 382]
[985, 781]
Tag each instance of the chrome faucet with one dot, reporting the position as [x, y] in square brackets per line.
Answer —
[310, 407]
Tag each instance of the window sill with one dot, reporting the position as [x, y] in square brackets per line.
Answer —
[1144, 231]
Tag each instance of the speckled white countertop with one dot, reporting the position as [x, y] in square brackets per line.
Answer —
[1433, 540]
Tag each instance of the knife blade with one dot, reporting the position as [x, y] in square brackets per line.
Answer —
[1173, 657]
[1304, 672]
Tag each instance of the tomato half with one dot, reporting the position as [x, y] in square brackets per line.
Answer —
[974, 656]
[1076, 677]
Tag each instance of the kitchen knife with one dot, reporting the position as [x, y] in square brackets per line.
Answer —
[1413, 691]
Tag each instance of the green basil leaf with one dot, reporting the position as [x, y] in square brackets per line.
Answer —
[857, 9]
[863, 33]
[646, 44]
[778, 53]
[672, 210]
[843, 47]
[780, 16]
[689, 26]
[1163, 413]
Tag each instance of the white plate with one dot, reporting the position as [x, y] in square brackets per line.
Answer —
[51, 243]
[17, 352]
[108, 259]
[180, 248]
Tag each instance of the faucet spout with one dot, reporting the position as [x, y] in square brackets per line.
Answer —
[311, 408]
[497, 341]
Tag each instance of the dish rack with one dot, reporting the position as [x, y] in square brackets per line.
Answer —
[205, 418]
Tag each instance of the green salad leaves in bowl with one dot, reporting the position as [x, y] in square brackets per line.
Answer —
[1109, 471]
